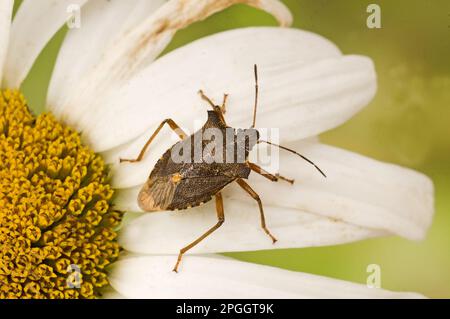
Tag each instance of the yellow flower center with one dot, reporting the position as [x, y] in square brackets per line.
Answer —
[57, 226]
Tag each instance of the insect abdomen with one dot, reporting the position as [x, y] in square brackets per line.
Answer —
[193, 191]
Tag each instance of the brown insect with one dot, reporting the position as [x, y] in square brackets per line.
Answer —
[176, 185]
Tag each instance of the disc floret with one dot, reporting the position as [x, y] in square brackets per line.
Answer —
[57, 224]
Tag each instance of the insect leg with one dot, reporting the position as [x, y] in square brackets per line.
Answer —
[219, 109]
[255, 196]
[207, 99]
[273, 178]
[174, 126]
[220, 218]
[224, 103]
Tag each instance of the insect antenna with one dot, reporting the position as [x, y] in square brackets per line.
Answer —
[296, 153]
[255, 69]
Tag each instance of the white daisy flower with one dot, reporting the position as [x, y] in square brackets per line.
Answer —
[110, 84]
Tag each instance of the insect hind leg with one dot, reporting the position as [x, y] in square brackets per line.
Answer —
[255, 196]
[220, 221]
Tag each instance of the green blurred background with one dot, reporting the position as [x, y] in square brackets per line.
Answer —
[407, 123]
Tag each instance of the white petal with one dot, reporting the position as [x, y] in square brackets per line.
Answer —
[358, 190]
[361, 198]
[126, 199]
[6, 7]
[208, 277]
[168, 232]
[110, 293]
[103, 22]
[305, 83]
[34, 25]
[141, 45]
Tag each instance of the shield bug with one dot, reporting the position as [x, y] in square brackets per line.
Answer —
[193, 179]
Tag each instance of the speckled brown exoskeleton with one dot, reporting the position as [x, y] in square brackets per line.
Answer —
[177, 185]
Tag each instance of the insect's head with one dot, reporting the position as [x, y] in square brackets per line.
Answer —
[220, 113]
[216, 118]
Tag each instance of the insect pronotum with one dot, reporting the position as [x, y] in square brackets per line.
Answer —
[178, 185]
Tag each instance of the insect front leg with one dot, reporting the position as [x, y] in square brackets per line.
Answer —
[174, 126]
[220, 221]
[273, 178]
[207, 99]
[223, 108]
[255, 196]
